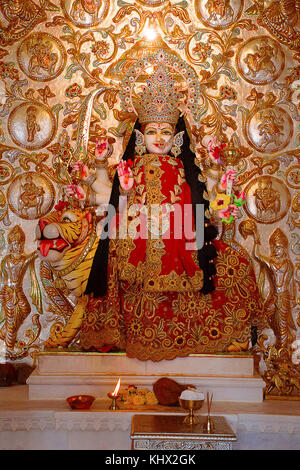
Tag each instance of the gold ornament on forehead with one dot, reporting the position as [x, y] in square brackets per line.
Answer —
[160, 99]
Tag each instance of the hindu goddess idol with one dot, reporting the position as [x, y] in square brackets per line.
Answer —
[161, 285]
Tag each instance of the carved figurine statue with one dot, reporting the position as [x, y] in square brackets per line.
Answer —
[267, 199]
[31, 196]
[281, 298]
[31, 123]
[15, 305]
[67, 242]
[157, 289]
[155, 283]
[278, 269]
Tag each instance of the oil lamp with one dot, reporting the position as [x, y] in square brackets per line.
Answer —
[114, 396]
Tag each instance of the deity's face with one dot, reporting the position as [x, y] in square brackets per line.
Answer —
[16, 247]
[158, 137]
[278, 250]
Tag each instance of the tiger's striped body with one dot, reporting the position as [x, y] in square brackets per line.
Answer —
[67, 240]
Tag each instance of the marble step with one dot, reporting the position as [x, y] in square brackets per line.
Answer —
[118, 363]
[58, 375]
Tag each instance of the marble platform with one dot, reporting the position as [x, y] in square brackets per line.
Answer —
[48, 424]
[230, 377]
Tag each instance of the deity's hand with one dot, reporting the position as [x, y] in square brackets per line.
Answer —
[125, 176]
[80, 169]
[74, 191]
[101, 149]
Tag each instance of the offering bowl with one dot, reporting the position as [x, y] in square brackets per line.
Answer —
[80, 402]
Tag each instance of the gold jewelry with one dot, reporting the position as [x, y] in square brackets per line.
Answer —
[140, 147]
[123, 192]
[102, 163]
[177, 144]
[159, 100]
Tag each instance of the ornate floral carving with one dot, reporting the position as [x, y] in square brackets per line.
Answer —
[20, 17]
[280, 18]
[50, 77]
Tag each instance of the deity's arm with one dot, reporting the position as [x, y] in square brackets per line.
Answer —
[263, 260]
[265, 272]
[99, 183]
[30, 257]
[100, 187]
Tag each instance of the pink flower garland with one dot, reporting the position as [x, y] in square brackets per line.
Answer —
[230, 211]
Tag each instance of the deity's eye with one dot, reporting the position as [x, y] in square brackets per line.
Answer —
[66, 219]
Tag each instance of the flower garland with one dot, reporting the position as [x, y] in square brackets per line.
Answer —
[225, 204]
[132, 396]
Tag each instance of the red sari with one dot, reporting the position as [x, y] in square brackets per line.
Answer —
[153, 308]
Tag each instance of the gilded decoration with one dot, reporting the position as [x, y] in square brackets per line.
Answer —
[31, 125]
[260, 60]
[292, 177]
[61, 66]
[219, 14]
[41, 57]
[30, 195]
[267, 199]
[6, 172]
[18, 18]
[85, 13]
[269, 129]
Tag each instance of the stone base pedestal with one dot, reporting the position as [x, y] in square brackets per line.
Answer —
[52, 425]
[58, 375]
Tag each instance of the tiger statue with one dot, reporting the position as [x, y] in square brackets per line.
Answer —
[67, 241]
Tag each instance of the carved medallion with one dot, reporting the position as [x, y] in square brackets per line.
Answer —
[85, 13]
[292, 176]
[260, 60]
[219, 14]
[267, 199]
[269, 129]
[30, 195]
[31, 125]
[41, 57]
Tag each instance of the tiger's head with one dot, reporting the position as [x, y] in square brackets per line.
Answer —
[62, 230]
[67, 240]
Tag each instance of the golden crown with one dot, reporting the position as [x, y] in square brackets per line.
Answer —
[278, 237]
[159, 100]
